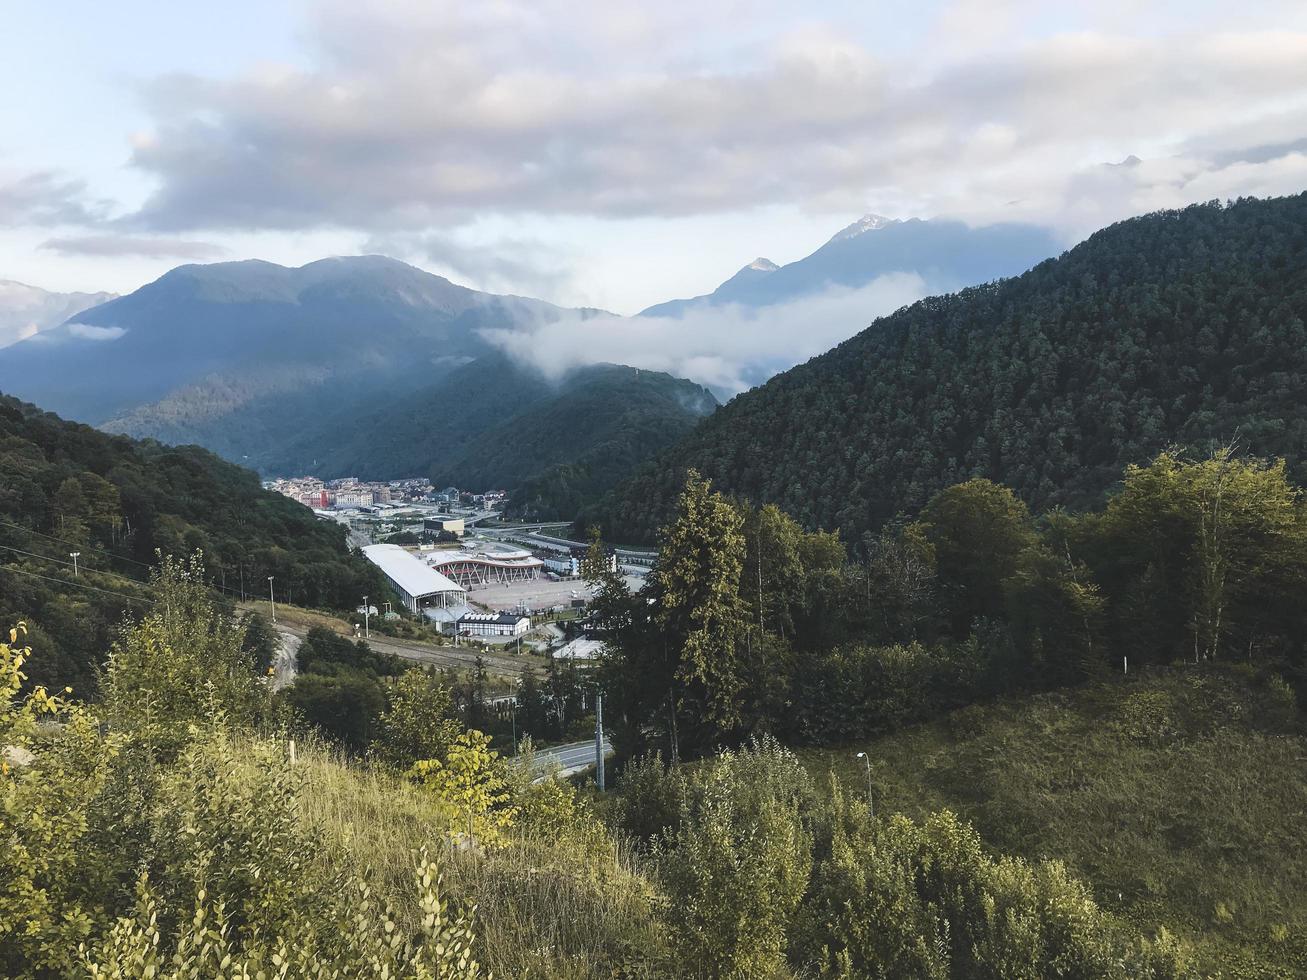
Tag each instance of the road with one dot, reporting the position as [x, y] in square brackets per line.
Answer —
[461, 658]
[570, 758]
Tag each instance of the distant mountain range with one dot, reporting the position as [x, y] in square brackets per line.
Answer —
[947, 255]
[369, 366]
[1182, 327]
[27, 310]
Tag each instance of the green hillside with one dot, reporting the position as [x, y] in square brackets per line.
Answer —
[595, 429]
[1179, 794]
[1180, 326]
[116, 501]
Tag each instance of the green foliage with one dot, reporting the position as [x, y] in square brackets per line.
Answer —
[419, 721]
[1214, 552]
[47, 782]
[1173, 795]
[1176, 327]
[472, 780]
[183, 663]
[978, 530]
[68, 487]
[895, 898]
[736, 866]
[695, 586]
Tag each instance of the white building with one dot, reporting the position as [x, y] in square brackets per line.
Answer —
[568, 563]
[491, 565]
[494, 624]
[422, 588]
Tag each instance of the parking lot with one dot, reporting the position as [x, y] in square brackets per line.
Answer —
[540, 595]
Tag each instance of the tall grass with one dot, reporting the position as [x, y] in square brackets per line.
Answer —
[1180, 795]
[545, 907]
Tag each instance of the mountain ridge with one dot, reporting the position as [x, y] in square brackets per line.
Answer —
[1180, 326]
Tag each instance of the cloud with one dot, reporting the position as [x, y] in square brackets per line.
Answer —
[143, 246]
[729, 348]
[46, 198]
[87, 331]
[507, 265]
[409, 114]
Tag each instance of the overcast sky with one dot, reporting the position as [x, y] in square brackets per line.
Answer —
[615, 153]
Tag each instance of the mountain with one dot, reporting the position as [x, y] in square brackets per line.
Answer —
[493, 424]
[241, 356]
[582, 440]
[114, 501]
[27, 310]
[947, 255]
[1177, 327]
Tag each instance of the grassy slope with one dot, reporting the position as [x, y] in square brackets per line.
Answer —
[545, 907]
[1180, 795]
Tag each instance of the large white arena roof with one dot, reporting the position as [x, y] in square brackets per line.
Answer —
[411, 574]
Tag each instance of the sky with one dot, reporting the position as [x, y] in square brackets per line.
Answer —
[615, 154]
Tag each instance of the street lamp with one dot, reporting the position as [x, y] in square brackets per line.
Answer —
[272, 599]
[74, 555]
[866, 759]
[367, 633]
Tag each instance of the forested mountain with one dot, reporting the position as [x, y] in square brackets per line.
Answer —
[493, 424]
[242, 357]
[67, 487]
[581, 440]
[947, 255]
[1176, 327]
[27, 310]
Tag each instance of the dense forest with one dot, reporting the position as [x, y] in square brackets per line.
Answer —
[194, 821]
[1180, 327]
[119, 503]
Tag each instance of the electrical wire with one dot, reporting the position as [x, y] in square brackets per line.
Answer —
[79, 585]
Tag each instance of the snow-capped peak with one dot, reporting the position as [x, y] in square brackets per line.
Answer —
[762, 265]
[868, 222]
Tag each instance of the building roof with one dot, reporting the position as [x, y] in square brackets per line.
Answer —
[502, 617]
[409, 572]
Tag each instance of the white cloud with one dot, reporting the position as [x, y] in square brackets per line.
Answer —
[87, 331]
[419, 114]
[729, 348]
[153, 247]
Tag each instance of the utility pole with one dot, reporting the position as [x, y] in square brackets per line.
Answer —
[599, 740]
[74, 555]
[367, 633]
[272, 599]
[867, 760]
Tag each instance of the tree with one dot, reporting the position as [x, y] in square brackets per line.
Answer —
[1210, 550]
[737, 864]
[695, 588]
[183, 662]
[472, 781]
[419, 721]
[978, 529]
[260, 641]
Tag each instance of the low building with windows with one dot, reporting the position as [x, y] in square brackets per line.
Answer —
[568, 563]
[494, 624]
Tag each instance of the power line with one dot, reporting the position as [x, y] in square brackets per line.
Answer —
[75, 544]
[77, 585]
[32, 554]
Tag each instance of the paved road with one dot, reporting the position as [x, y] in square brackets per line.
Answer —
[570, 758]
[461, 658]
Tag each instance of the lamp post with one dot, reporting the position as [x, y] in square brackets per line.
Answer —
[367, 633]
[74, 555]
[272, 599]
[866, 759]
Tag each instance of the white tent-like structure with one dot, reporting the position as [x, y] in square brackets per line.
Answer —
[420, 586]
